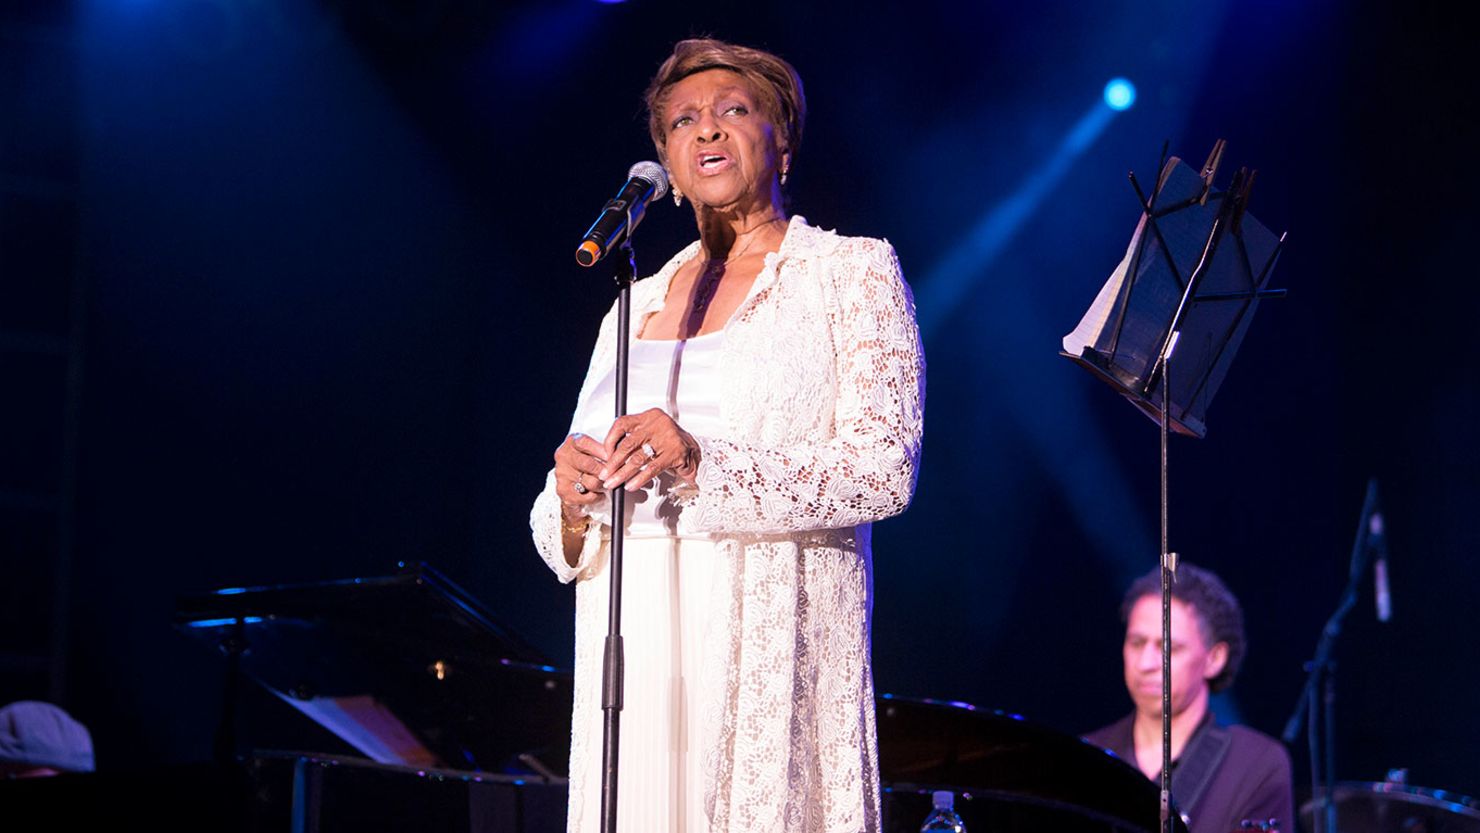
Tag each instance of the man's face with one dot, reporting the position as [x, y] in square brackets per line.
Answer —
[1194, 662]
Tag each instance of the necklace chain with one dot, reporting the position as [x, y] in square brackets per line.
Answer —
[709, 275]
[755, 234]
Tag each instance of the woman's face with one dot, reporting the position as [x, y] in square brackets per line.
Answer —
[722, 150]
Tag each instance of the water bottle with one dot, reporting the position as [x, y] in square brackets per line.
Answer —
[943, 818]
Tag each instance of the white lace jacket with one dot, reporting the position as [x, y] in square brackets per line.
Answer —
[823, 399]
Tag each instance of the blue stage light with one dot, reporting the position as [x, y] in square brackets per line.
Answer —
[221, 623]
[1120, 94]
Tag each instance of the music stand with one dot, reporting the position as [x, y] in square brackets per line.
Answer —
[1192, 277]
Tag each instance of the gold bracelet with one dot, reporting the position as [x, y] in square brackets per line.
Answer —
[568, 529]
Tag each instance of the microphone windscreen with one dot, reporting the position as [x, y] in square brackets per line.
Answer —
[652, 172]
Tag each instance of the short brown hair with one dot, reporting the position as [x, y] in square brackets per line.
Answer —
[1219, 617]
[777, 87]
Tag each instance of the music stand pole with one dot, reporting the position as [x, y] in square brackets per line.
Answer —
[1117, 339]
[612, 670]
[1162, 370]
[1168, 575]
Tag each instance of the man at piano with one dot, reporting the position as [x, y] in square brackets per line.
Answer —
[1222, 776]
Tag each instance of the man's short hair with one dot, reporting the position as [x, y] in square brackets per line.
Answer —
[1219, 617]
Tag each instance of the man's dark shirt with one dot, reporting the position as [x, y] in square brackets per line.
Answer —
[1246, 775]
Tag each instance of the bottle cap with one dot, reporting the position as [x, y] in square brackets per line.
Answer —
[943, 799]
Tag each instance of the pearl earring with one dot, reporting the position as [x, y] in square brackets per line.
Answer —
[678, 198]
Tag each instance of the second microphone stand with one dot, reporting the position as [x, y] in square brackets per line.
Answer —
[1317, 702]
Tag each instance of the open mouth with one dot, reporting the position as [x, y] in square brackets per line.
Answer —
[712, 161]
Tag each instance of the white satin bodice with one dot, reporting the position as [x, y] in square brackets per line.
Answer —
[679, 377]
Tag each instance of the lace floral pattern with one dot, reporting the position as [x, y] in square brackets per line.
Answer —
[824, 399]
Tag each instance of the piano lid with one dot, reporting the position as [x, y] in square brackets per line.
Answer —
[408, 668]
[929, 744]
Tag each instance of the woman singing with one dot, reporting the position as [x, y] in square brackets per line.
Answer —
[776, 392]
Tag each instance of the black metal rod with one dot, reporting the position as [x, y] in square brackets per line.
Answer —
[1149, 219]
[1210, 249]
[613, 664]
[1328, 797]
[1153, 216]
[1168, 566]
[233, 646]
[1313, 742]
[1160, 373]
[1256, 292]
[1319, 693]
[1135, 265]
[1161, 370]
[1260, 295]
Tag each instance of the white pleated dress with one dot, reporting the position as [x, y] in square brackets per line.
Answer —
[821, 399]
[667, 586]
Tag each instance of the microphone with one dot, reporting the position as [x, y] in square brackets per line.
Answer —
[646, 181]
[1382, 595]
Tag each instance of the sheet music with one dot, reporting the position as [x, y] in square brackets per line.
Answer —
[1087, 334]
[1121, 334]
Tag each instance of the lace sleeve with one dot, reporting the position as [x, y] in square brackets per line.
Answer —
[544, 516]
[544, 524]
[867, 470]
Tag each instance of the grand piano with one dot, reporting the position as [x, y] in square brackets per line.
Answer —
[462, 727]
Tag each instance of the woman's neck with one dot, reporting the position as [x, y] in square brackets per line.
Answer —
[726, 234]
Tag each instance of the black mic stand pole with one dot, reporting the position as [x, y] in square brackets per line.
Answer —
[612, 672]
[1317, 700]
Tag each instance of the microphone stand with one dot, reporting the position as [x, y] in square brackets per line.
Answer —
[612, 671]
[1317, 701]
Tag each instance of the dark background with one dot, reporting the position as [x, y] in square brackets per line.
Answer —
[289, 296]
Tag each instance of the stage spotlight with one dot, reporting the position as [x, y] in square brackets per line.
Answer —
[1120, 94]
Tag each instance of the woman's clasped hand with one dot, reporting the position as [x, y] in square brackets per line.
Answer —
[637, 449]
